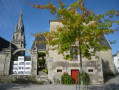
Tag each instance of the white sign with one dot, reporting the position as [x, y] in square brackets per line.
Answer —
[50, 60]
[27, 68]
[15, 67]
[21, 67]
[20, 58]
[15, 62]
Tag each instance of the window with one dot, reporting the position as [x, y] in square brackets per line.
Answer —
[59, 70]
[90, 70]
[74, 53]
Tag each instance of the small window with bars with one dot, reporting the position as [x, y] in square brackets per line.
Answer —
[90, 70]
[59, 70]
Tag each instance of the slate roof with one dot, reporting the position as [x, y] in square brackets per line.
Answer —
[3, 44]
[114, 55]
[41, 46]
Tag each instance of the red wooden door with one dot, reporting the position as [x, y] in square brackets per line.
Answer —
[74, 75]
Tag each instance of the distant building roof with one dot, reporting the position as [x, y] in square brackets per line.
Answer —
[41, 46]
[114, 55]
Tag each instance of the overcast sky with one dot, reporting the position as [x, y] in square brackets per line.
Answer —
[36, 20]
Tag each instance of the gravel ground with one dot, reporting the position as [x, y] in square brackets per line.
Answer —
[55, 87]
[112, 84]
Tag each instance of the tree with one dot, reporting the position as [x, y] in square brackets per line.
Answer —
[79, 24]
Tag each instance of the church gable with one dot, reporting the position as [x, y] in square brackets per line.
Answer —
[41, 46]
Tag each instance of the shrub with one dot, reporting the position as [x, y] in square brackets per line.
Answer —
[41, 62]
[24, 79]
[45, 70]
[66, 79]
[41, 54]
[27, 58]
[27, 80]
[85, 77]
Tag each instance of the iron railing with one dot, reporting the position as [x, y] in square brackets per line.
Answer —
[82, 78]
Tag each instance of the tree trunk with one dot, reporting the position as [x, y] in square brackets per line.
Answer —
[81, 70]
[81, 61]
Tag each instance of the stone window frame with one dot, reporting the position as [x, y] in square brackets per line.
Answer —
[59, 68]
[90, 70]
[93, 68]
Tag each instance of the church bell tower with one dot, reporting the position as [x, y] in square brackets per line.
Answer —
[18, 38]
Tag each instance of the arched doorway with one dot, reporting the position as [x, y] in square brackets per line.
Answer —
[21, 63]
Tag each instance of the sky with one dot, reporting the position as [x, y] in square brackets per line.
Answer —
[36, 20]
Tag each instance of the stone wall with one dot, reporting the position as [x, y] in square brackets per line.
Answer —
[5, 59]
[34, 59]
[107, 62]
[2, 63]
[102, 65]
[96, 77]
[56, 61]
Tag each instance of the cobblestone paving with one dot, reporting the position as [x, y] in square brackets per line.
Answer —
[112, 84]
